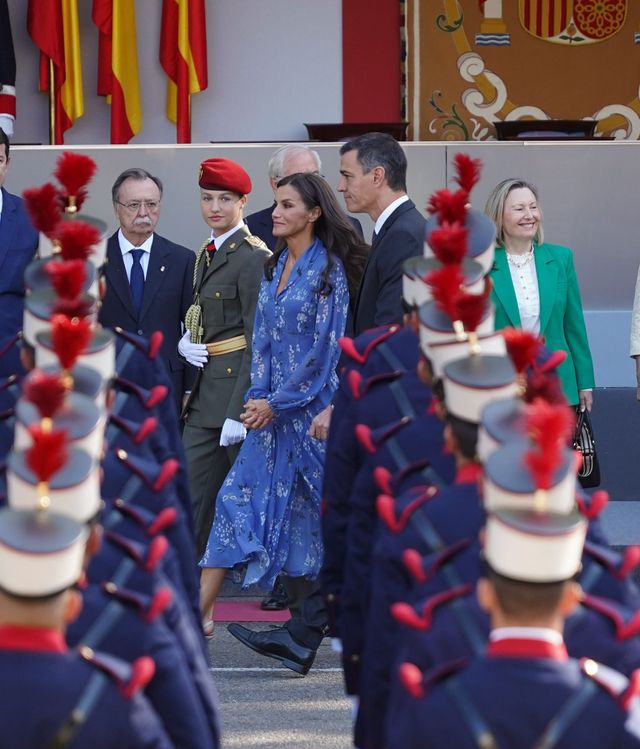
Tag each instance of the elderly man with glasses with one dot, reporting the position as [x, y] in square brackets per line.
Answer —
[149, 279]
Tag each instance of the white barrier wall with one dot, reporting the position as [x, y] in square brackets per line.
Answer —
[588, 193]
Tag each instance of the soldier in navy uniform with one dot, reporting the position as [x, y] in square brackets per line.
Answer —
[525, 690]
[81, 698]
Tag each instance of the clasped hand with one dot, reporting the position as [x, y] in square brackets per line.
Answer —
[257, 413]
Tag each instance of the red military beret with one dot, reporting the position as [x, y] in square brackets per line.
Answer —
[224, 174]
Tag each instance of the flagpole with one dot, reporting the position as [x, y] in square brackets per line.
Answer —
[52, 104]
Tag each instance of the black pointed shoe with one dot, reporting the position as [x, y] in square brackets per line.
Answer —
[278, 644]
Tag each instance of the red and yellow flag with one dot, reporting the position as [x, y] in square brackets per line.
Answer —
[183, 55]
[118, 66]
[53, 26]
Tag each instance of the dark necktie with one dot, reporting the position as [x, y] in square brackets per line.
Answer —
[136, 281]
[374, 236]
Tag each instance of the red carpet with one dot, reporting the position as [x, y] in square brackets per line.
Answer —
[246, 610]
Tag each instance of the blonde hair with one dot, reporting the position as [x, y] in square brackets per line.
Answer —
[494, 207]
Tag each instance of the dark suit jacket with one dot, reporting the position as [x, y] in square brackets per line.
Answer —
[260, 225]
[18, 245]
[168, 292]
[379, 299]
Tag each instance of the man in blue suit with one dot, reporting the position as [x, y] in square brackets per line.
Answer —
[149, 279]
[373, 180]
[18, 245]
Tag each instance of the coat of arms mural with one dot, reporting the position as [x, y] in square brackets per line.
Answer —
[472, 63]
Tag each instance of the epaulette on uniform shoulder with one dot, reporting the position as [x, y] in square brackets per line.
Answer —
[130, 678]
[147, 558]
[620, 566]
[418, 684]
[256, 241]
[148, 608]
[422, 617]
[386, 508]
[358, 349]
[149, 347]
[611, 681]
[155, 475]
[415, 565]
[371, 439]
[591, 507]
[626, 623]
[149, 523]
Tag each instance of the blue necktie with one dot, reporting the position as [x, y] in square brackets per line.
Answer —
[136, 280]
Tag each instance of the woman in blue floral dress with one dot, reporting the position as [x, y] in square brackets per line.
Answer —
[267, 516]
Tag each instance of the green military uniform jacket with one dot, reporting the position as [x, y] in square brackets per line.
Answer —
[228, 291]
[561, 318]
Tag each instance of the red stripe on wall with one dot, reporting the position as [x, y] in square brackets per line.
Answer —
[370, 61]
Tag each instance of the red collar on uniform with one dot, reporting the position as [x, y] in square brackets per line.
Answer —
[523, 648]
[468, 474]
[38, 639]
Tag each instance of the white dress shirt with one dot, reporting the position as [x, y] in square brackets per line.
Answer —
[127, 258]
[223, 237]
[525, 285]
[387, 212]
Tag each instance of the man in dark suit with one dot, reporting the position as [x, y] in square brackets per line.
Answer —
[18, 245]
[373, 170]
[287, 160]
[149, 279]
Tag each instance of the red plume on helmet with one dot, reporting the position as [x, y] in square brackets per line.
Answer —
[74, 172]
[70, 337]
[446, 284]
[45, 391]
[467, 171]
[549, 427]
[43, 206]
[67, 277]
[522, 347]
[452, 206]
[48, 453]
[449, 242]
[449, 206]
[76, 239]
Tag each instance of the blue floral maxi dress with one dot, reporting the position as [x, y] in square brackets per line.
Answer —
[268, 509]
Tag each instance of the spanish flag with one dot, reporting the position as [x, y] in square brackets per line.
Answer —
[118, 66]
[7, 72]
[183, 55]
[53, 26]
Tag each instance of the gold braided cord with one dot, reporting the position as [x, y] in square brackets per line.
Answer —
[193, 317]
[201, 252]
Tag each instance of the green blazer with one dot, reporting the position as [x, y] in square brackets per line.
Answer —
[561, 319]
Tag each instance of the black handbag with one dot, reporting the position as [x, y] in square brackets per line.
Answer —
[584, 441]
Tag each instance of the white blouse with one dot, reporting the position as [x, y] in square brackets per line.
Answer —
[525, 285]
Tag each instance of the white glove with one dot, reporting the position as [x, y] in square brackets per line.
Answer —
[232, 433]
[194, 353]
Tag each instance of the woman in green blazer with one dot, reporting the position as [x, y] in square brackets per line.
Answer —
[535, 286]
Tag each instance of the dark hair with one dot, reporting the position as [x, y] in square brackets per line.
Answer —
[379, 149]
[332, 227]
[525, 600]
[134, 173]
[4, 138]
[466, 435]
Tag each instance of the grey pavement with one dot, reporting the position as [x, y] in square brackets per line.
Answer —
[267, 706]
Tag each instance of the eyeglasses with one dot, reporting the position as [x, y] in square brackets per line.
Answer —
[134, 205]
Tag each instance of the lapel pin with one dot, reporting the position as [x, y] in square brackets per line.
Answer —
[232, 246]
[162, 269]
